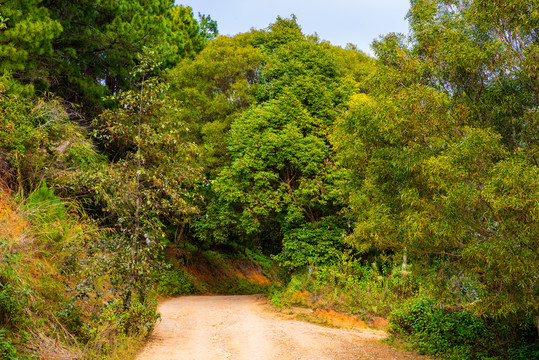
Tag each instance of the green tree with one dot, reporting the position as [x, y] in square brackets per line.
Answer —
[145, 191]
[215, 88]
[281, 174]
[484, 54]
[83, 50]
[100, 41]
[440, 148]
[195, 35]
[26, 38]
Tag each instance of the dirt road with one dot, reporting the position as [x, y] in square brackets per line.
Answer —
[241, 328]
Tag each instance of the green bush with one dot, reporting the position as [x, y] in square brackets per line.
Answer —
[12, 296]
[265, 261]
[455, 333]
[138, 319]
[71, 316]
[176, 281]
[7, 350]
[118, 329]
[285, 296]
[243, 286]
[10, 304]
[437, 330]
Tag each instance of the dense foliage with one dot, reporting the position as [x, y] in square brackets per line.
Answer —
[85, 50]
[442, 155]
[456, 333]
[408, 184]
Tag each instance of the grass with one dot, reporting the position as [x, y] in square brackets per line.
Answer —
[349, 287]
[52, 296]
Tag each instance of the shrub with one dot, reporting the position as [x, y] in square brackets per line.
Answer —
[437, 330]
[243, 286]
[7, 350]
[176, 282]
[456, 333]
[138, 319]
[10, 304]
[351, 286]
[12, 297]
[119, 330]
[288, 295]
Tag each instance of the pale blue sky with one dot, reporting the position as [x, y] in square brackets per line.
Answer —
[339, 21]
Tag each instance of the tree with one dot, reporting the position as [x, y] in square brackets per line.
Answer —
[215, 88]
[497, 84]
[281, 174]
[83, 50]
[195, 35]
[26, 35]
[483, 53]
[145, 191]
[441, 153]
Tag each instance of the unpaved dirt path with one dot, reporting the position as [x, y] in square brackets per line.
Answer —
[242, 328]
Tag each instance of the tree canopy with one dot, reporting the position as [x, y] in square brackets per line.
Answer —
[431, 148]
[83, 51]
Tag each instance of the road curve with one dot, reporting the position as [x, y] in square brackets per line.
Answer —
[241, 328]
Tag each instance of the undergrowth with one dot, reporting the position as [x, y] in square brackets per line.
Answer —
[365, 289]
[373, 289]
[7, 349]
[456, 333]
[55, 300]
[214, 272]
[177, 281]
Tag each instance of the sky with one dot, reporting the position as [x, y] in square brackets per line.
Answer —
[339, 21]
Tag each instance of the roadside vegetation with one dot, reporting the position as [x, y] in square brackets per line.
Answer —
[144, 156]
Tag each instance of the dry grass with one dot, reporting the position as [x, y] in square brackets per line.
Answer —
[35, 271]
[13, 225]
[52, 347]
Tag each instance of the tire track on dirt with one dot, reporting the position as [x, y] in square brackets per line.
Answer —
[241, 328]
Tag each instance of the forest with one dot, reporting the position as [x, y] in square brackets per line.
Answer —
[403, 186]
